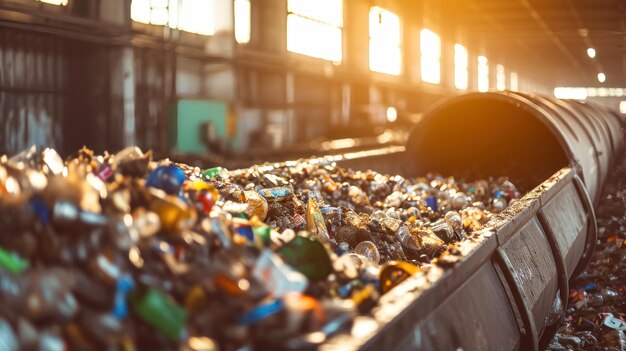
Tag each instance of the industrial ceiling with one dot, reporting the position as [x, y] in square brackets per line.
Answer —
[548, 37]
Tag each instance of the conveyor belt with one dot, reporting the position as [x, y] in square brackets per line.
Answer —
[502, 288]
[511, 280]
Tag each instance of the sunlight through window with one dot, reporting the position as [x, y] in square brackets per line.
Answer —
[582, 93]
[242, 21]
[314, 28]
[392, 114]
[430, 51]
[460, 67]
[483, 74]
[500, 78]
[55, 2]
[570, 93]
[385, 54]
[195, 16]
[513, 84]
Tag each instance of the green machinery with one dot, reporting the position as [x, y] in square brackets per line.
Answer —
[199, 126]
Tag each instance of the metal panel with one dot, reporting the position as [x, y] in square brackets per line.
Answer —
[584, 150]
[449, 328]
[611, 124]
[533, 270]
[589, 158]
[567, 219]
[592, 227]
[151, 71]
[31, 92]
[605, 145]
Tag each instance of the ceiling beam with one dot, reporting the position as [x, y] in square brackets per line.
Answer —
[549, 15]
[564, 25]
[498, 27]
[585, 37]
[555, 39]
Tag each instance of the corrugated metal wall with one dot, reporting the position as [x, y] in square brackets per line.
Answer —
[88, 117]
[57, 88]
[33, 90]
[151, 94]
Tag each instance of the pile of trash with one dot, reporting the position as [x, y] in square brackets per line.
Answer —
[120, 252]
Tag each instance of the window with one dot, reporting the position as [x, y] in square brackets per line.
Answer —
[314, 28]
[392, 114]
[570, 93]
[513, 84]
[242, 21]
[622, 107]
[195, 16]
[430, 51]
[55, 2]
[483, 73]
[582, 93]
[500, 78]
[385, 42]
[460, 67]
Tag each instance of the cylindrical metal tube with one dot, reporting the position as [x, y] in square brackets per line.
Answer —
[524, 136]
[534, 140]
[509, 290]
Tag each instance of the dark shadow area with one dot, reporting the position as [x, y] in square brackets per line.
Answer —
[482, 137]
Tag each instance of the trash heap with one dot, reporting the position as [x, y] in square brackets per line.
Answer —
[119, 252]
[595, 318]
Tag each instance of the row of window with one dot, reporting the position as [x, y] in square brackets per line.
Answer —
[187, 15]
[315, 28]
[581, 93]
[55, 2]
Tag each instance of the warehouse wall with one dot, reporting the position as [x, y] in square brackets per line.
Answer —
[86, 74]
[61, 75]
[32, 90]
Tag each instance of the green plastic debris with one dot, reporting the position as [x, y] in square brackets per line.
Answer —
[307, 255]
[263, 233]
[211, 173]
[12, 262]
[161, 312]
